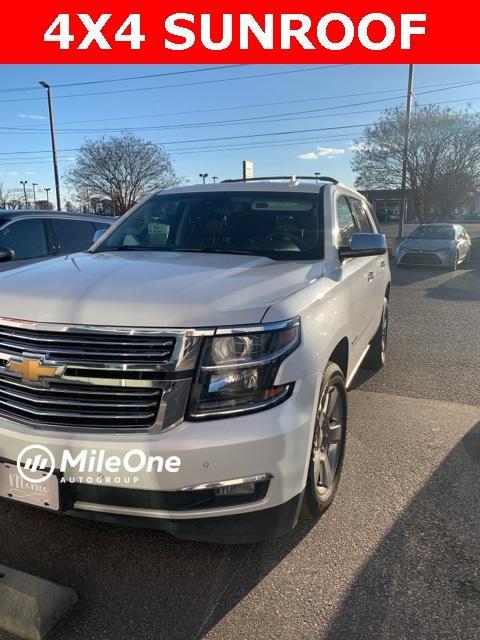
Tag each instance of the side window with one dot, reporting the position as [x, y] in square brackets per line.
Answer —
[360, 216]
[26, 237]
[100, 225]
[345, 221]
[74, 235]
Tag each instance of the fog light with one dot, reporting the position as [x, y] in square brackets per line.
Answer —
[245, 489]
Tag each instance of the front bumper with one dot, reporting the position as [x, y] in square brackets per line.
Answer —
[275, 442]
[426, 258]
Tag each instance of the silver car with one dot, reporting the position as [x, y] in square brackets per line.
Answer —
[435, 245]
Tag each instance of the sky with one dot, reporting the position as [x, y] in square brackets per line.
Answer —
[287, 119]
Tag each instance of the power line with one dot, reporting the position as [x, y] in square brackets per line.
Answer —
[257, 105]
[128, 78]
[278, 117]
[185, 84]
[240, 146]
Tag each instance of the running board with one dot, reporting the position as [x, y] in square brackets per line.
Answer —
[357, 367]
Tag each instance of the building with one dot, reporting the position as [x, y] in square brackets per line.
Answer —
[386, 204]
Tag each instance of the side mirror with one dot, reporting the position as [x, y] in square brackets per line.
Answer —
[98, 234]
[6, 254]
[364, 245]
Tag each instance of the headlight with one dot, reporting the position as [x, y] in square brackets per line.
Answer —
[236, 372]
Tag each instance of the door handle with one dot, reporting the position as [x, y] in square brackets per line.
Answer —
[370, 276]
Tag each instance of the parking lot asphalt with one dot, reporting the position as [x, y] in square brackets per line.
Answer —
[395, 557]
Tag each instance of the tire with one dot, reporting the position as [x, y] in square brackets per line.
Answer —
[375, 358]
[328, 445]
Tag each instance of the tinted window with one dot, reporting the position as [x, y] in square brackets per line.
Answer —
[346, 222]
[277, 225]
[100, 225]
[360, 216]
[74, 235]
[26, 237]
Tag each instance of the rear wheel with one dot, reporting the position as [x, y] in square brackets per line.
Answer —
[375, 358]
[328, 445]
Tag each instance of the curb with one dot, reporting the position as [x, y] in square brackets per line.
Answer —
[31, 607]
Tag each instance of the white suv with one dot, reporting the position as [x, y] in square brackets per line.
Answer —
[217, 326]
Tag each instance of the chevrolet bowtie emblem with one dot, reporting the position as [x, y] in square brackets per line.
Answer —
[32, 369]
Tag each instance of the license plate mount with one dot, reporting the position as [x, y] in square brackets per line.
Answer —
[44, 494]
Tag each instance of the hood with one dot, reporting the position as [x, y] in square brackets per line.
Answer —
[151, 289]
[426, 245]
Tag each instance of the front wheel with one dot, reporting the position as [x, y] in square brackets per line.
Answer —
[328, 445]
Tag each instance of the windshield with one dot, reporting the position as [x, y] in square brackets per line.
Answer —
[281, 226]
[434, 232]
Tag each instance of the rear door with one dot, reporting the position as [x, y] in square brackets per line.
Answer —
[27, 238]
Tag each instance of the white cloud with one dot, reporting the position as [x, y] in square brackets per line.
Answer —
[359, 146]
[31, 116]
[330, 152]
[12, 173]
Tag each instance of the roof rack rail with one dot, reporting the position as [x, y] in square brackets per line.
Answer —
[316, 178]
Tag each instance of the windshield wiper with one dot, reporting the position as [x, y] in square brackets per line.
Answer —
[141, 247]
[127, 247]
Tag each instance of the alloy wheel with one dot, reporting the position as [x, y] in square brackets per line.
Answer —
[328, 440]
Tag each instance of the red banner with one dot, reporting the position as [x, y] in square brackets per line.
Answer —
[189, 31]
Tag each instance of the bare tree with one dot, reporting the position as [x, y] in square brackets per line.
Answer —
[11, 199]
[443, 168]
[120, 169]
[3, 197]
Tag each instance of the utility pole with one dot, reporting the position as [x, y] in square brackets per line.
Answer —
[47, 189]
[408, 113]
[34, 184]
[214, 178]
[204, 177]
[54, 144]
[24, 184]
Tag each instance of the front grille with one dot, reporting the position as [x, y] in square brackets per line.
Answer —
[79, 405]
[81, 346]
[428, 259]
[113, 378]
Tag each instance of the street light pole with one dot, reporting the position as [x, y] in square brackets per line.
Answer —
[34, 184]
[214, 178]
[54, 144]
[204, 177]
[24, 184]
[47, 189]
[408, 113]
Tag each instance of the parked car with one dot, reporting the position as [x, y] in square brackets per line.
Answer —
[435, 245]
[468, 217]
[36, 235]
[218, 324]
